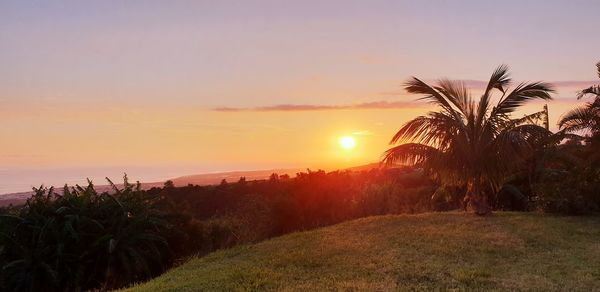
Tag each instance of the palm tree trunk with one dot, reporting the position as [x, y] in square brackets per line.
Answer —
[481, 205]
[476, 200]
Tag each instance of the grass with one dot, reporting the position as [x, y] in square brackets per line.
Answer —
[443, 251]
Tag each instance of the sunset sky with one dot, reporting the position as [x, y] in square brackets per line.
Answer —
[166, 88]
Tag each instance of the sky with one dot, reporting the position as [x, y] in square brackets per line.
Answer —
[166, 88]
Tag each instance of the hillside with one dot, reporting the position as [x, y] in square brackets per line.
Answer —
[231, 176]
[507, 251]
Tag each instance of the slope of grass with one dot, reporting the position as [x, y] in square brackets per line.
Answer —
[507, 251]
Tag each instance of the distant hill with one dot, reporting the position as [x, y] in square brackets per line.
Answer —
[21, 197]
[435, 251]
[232, 176]
[365, 167]
[197, 179]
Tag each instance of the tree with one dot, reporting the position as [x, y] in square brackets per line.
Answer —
[593, 90]
[467, 143]
[584, 180]
[585, 118]
[169, 184]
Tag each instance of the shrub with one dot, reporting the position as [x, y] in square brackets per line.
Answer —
[573, 192]
[83, 240]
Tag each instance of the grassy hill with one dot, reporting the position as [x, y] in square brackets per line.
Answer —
[507, 251]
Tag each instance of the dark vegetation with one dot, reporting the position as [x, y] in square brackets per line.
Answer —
[79, 239]
[443, 251]
[479, 147]
[467, 155]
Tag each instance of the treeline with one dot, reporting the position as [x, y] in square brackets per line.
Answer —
[558, 178]
[79, 239]
[561, 171]
[311, 199]
[498, 161]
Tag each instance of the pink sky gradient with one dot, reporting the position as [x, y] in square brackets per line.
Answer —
[195, 86]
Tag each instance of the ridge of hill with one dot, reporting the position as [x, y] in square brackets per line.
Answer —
[230, 176]
[455, 251]
[195, 179]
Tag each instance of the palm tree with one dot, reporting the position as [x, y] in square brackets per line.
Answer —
[585, 118]
[467, 143]
[593, 90]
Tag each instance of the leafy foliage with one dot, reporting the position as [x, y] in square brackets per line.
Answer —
[574, 187]
[586, 118]
[468, 143]
[80, 240]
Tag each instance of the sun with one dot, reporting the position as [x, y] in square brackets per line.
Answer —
[347, 142]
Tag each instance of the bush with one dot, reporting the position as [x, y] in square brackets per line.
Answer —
[573, 192]
[83, 240]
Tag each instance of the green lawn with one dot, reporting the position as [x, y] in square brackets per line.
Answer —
[506, 251]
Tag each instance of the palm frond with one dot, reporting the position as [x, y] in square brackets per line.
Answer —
[578, 119]
[456, 92]
[592, 90]
[500, 79]
[507, 149]
[532, 132]
[430, 130]
[415, 85]
[523, 93]
[409, 153]
[410, 129]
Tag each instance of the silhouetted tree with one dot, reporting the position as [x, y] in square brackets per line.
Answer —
[585, 118]
[83, 240]
[467, 143]
[169, 184]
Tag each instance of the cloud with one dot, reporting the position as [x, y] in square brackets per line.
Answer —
[478, 84]
[573, 83]
[363, 133]
[561, 85]
[470, 84]
[308, 107]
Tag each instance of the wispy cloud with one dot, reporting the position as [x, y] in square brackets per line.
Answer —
[311, 107]
[572, 85]
[363, 133]
[479, 84]
[471, 84]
